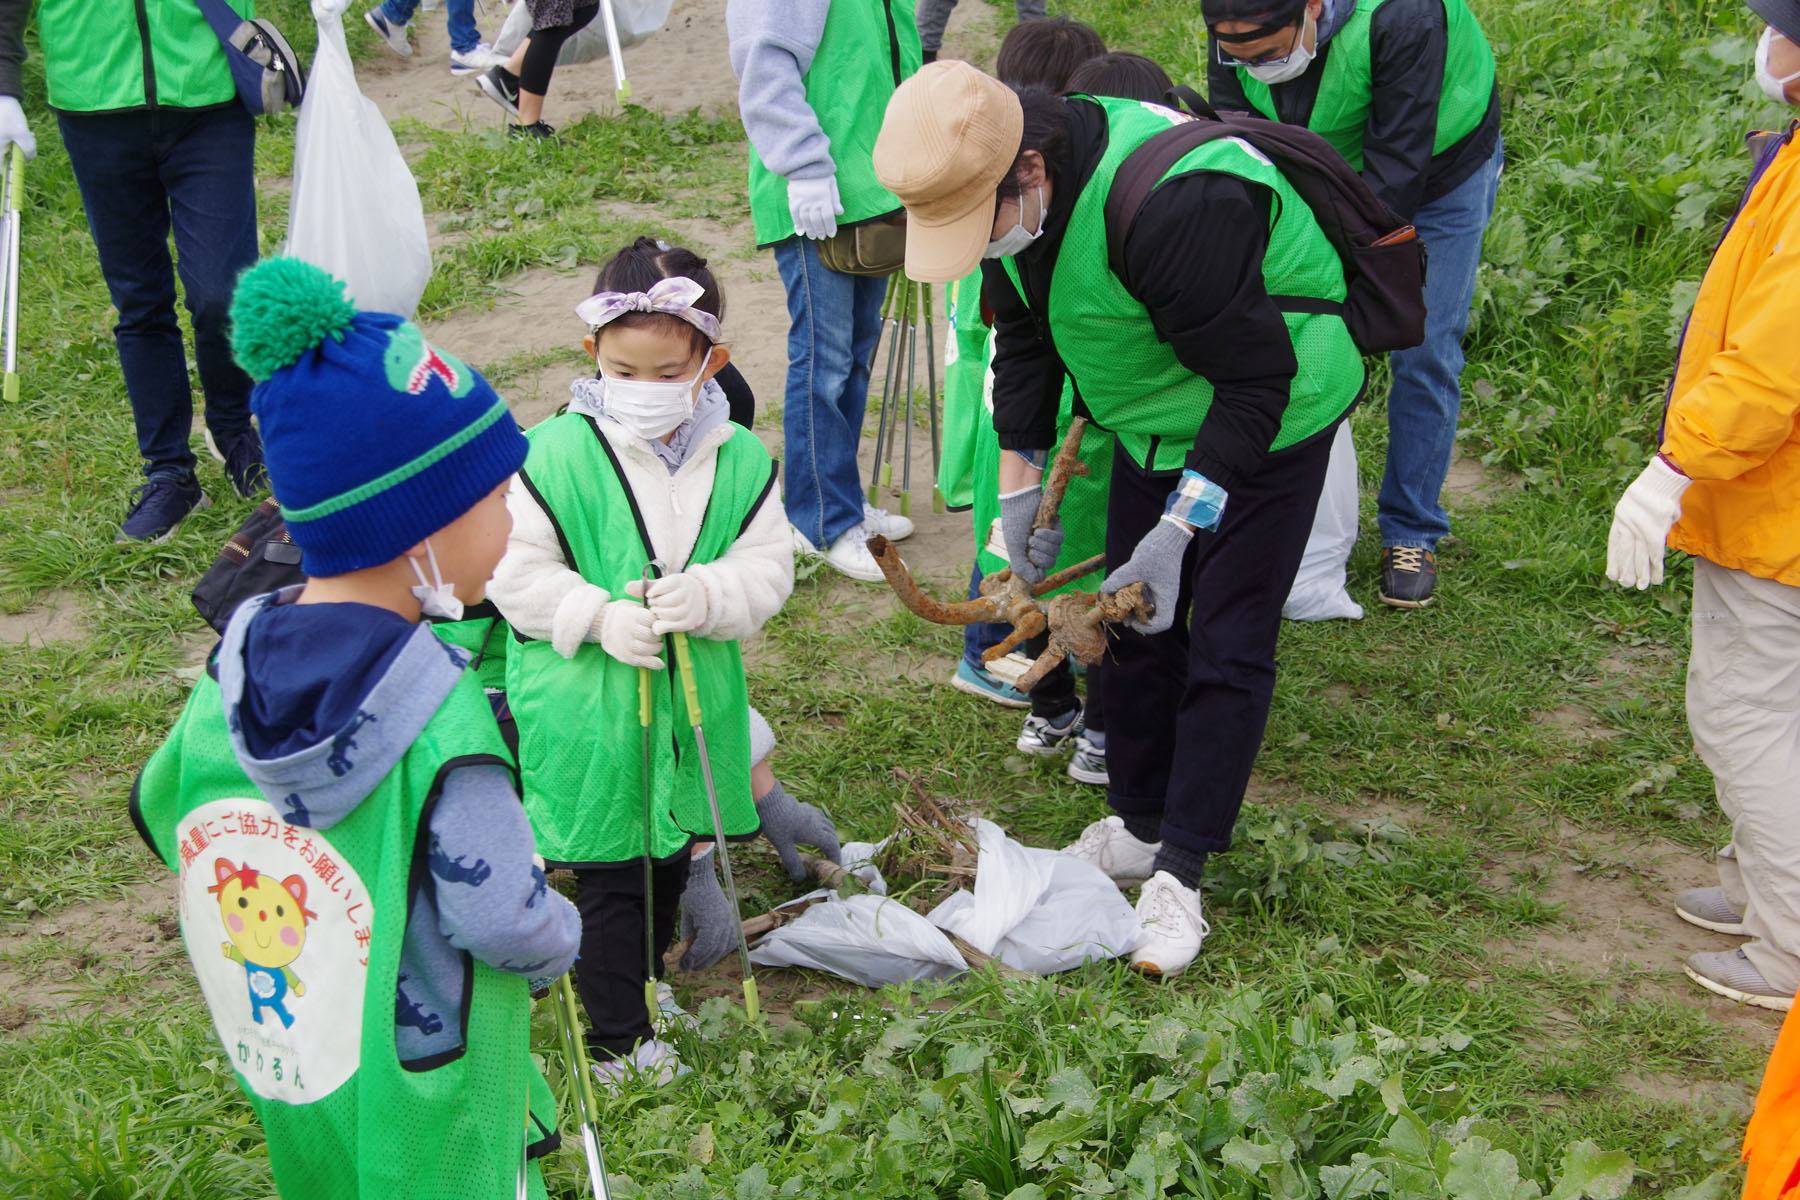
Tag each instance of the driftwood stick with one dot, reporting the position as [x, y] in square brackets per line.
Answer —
[977, 960]
[1065, 465]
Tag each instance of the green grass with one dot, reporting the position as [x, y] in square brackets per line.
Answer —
[1377, 1004]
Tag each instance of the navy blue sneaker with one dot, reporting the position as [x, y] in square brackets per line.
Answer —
[243, 457]
[161, 506]
[978, 681]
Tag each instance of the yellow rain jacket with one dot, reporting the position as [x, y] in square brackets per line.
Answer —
[1733, 420]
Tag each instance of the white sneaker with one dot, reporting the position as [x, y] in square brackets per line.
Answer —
[1088, 763]
[669, 1013]
[892, 526]
[394, 35]
[850, 556]
[1111, 847]
[1169, 915]
[653, 1064]
[479, 58]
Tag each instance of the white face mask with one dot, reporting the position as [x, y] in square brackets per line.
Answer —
[1295, 64]
[649, 408]
[437, 598]
[1774, 88]
[1018, 237]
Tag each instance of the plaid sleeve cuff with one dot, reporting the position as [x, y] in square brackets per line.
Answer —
[1196, 501]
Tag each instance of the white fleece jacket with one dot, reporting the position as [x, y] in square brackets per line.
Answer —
[542, 597]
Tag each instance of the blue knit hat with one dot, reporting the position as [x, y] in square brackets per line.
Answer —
[374, 440]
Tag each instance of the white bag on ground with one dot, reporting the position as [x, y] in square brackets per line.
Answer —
[869, 939]
[1319, 593]
[355, 209]
[637, 20]
[1038, 910]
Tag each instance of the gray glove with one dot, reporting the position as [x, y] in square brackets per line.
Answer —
[706, 919]
[1030, 552]
[786, 821]
[1157, 563]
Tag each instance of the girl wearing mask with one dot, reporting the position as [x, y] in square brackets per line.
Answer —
[644, 474]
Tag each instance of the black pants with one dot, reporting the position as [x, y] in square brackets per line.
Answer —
[1054, 694]
[610, 974]
[1185, 709]
[546, 44]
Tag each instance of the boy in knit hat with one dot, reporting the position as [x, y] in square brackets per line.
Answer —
[358, 890]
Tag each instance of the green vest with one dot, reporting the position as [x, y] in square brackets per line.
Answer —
[103, 55]
[965, 384]
[1132, 382]
[295, 936]
[580, 741]
[483, 633]
[1340, 114]
[867, 48]
[1083, 510]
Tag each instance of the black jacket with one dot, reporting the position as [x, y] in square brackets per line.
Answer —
[1194, 258]
[1408, 41]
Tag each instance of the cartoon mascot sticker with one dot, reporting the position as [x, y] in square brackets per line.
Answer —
[266, 922]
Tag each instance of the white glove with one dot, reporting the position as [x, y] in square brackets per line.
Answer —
[814, 205]
[678, 602]
[626, 632]
[1641, 524]
[13, 127]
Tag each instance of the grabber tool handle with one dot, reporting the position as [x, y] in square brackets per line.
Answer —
[15, 182]
[644, 694]
[684, 658]
[621, 85]
[752, 1005]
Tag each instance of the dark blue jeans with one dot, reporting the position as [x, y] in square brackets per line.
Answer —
[464, 34]
[1426, 395]
[836, 324]
[142, 174]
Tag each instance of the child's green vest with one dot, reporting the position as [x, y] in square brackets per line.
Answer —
[965, 385]
[867, 48]
[1129, 379]
[1340, 114]
[1083, 511]
[482, 633]
[295, 936]
[580, 741]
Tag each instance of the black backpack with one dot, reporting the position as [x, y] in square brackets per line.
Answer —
[260, 557]
[1383, 257]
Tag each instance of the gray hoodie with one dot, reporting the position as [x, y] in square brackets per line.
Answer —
[322, 701]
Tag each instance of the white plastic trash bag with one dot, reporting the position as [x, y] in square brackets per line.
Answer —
[355, 209]
[1319, 593]
[637, 20]
[869, 939]
[1038, 910]
[858, 858]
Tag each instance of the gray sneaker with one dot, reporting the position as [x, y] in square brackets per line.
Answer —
[1042, 735]
[390, 33]
[1731, 974]
[1088, 763]
[1708, 908]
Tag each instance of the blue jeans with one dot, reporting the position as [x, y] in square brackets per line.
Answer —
[464, 36]
[142, 174]
[836, 324]
[979, 636]
[1427, 394]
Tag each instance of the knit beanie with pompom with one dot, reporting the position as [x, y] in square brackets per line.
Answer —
[374, 440]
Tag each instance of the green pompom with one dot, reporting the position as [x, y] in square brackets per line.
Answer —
[283, 308]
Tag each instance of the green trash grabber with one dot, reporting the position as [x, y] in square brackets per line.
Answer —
[15, 187]
[621, 85]
[644, 715]
[685, 659]
[581, 1085]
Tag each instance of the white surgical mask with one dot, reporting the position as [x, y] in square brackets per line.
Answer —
[1295, 64]
[1018, 237]
[649, 408]
[1775, 89]
[437, 598]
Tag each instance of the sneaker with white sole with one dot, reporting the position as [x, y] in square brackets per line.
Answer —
[1708, 908]
[976, 681]
[654, 1063]
[392, 34]
[1731, 974]
[1045, 735]
[892, 526]
[479, 57]
[850, 556]
[1111, 847]
[1088, 763]
[501, 86]
[1169, 915]
[669, 1013]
